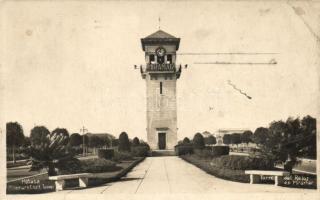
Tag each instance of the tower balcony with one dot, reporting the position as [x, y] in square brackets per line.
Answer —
[160, 69]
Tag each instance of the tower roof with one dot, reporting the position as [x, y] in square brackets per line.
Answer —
[160, 34]
[160, 37]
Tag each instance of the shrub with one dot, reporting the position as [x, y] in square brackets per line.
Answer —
[135, 141]
[198, 141]
[124, 144]
[211, 140]
[220, 150]
[242, 163]
[106, 153]
[186, 141]
[182, 149]
[140, 151]
[97, 165]
[52, 152]
[120, 156]
[71, 166]
[228, 174]
[211, 152]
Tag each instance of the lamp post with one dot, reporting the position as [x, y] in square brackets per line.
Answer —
[83, 130]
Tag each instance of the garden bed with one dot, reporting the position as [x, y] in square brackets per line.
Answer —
[228, 174]
[233, 168]
[41, 184]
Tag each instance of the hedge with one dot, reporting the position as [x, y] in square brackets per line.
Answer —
[106, 153]
[97, 165]
[230, 167]
[237, 162]
[227, 174]
[182, 149]
[140, 151]
[93, 165]
[121, 156]
[214, 151]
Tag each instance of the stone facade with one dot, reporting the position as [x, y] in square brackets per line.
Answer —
[161, 82]
[161, 110]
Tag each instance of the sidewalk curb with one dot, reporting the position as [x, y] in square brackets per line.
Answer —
[125, 171]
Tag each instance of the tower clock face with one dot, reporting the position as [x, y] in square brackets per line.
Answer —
[160, 51]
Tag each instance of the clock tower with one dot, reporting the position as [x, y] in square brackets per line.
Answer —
[161, 74]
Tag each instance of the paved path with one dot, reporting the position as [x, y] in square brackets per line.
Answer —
[172, 175]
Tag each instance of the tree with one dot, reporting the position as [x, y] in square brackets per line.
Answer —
[135, 141]
[75, 140]
[260, 135]
[226, 139]
[124, 144]
[38, 135]
[95, 142]
[27, 142]
[211, 140]
[206, 134]
[14, 137]
[285, 141]
[198, 141]
[61, 132]
[52, 153]
[308, 128]
[186, 140]
[106, 141]
[236, 138]
[246, 137]
[115, 142]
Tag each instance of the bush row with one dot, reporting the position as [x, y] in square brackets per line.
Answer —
[224, 173]
[212, 152]
[236, 162]
[136, 151]
[182, 149]
[207, 152]
[94, 165]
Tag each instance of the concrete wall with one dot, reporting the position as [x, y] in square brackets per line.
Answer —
[161, 109]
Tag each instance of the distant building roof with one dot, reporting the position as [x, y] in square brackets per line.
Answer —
[160, 37]
[101, 135]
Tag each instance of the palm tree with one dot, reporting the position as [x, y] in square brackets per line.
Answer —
[52, 152]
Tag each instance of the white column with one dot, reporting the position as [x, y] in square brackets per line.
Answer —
[83, 182]
[59, 185]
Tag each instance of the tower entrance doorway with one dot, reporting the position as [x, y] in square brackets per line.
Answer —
[162, 140]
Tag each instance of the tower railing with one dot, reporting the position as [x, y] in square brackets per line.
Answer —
[161, 67]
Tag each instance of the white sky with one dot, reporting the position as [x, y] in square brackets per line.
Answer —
[71, 64]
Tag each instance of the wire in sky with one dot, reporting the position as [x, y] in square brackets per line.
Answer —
[226, 53]
[271, 62]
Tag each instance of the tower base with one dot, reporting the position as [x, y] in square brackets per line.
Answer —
[166, 152]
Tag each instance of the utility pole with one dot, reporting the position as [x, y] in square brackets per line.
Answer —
[83, 130]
